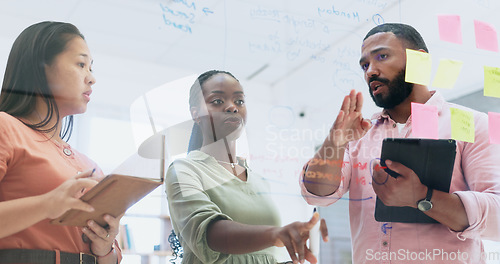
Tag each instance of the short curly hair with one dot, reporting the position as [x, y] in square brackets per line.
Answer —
[404, 32]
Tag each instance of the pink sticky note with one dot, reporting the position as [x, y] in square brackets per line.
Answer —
[486, 36]
[494, 127]
[424, 121]
[449, 28]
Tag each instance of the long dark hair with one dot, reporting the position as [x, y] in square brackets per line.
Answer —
[25, 78]
[403, 32]
[195, 97]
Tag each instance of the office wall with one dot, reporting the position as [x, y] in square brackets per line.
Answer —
[295, 60]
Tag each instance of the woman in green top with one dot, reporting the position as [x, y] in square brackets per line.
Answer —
[219, 208]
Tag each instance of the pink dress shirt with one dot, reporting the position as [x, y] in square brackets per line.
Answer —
[476, 180]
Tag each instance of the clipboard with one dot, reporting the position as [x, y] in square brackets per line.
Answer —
[113, 195]
[431, 159]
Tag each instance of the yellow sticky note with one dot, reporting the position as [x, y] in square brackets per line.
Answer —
[462, 125]
[418, 67]
[491, 81]
[447, 73]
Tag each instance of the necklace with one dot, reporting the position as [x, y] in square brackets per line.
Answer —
[66, 149]
[230, 163]
[59, 143]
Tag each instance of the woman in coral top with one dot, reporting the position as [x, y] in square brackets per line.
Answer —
[48, 79]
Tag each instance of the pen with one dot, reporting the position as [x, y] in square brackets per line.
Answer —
[83, 189]
[314, 237]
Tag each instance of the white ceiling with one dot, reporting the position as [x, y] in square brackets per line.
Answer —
[305, 52]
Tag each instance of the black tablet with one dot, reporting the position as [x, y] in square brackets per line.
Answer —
[431, 159]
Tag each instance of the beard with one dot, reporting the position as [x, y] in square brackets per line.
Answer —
[398, 91]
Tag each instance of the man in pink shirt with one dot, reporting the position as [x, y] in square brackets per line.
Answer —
[466, 215]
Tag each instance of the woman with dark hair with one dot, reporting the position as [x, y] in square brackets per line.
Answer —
[48, 78]
[220, 209]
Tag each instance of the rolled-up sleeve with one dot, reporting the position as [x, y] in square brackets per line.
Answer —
[481, 169]
[192, 211]
[483, 215]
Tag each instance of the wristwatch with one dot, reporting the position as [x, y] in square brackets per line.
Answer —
[425, 204]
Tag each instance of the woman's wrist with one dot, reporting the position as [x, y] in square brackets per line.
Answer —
[111, 257]
[274, 233]
[111, 251]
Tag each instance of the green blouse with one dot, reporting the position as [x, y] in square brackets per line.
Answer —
[200, 190]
